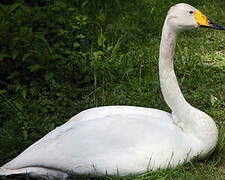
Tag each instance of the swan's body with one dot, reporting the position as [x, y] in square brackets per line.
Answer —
[94, 141]
[126, 139]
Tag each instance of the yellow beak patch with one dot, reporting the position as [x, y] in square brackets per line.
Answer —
[201, 19]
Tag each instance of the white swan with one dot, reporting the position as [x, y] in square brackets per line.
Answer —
[126, 139]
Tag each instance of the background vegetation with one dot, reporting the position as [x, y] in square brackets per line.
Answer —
[59, 57]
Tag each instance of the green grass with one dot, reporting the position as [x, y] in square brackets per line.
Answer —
[130, 77]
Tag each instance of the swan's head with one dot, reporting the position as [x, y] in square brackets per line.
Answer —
[183, 17]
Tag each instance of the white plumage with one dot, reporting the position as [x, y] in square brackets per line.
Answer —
[126, 139]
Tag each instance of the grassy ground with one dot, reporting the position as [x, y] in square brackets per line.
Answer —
[200, 68]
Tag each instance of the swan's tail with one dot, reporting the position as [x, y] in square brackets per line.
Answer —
[8, 172]
[34, 172]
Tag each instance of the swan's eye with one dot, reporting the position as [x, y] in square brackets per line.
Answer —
[191, 12]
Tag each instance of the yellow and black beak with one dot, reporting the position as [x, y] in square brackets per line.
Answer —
[203, 21]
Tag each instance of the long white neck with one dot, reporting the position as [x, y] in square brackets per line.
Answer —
[191, 120]
[168, 81]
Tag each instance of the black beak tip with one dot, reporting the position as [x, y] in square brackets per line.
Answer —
[215, 26]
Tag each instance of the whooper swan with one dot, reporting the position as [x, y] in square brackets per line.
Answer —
[126, 139]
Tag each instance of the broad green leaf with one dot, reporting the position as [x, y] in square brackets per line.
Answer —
[2, 56]
[13, 75]
[2, 91]
[35, 67]
[49, 76]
